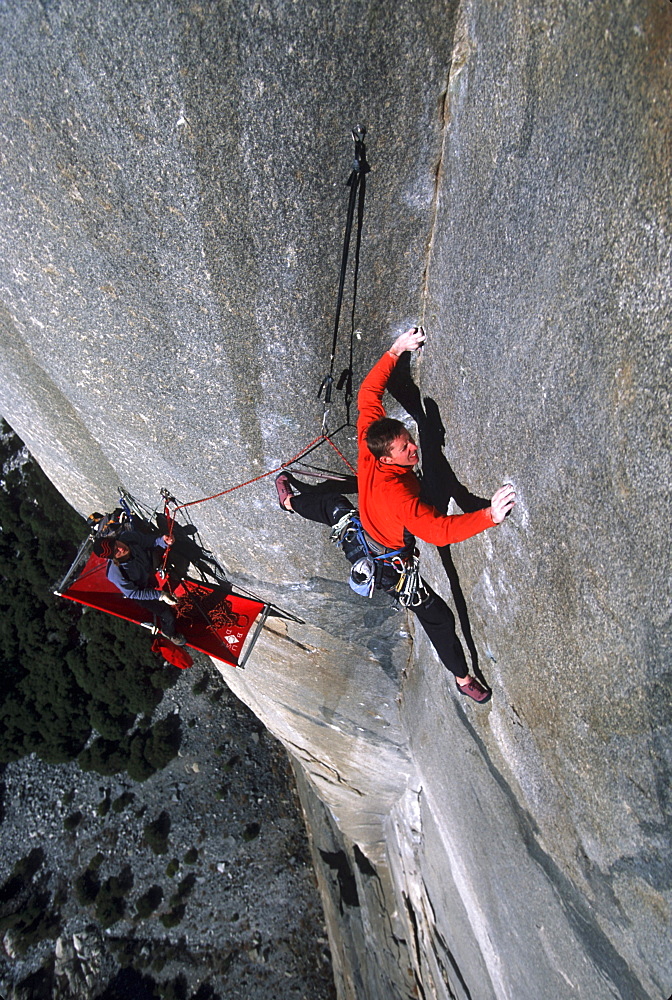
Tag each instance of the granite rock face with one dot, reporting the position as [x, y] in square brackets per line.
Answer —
[173, 205]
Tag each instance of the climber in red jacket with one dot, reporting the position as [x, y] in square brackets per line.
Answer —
[389, 491]
[392, 515]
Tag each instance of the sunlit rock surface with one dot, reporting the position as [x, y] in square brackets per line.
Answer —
[173, 205]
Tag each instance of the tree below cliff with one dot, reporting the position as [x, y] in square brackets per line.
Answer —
[67, 671]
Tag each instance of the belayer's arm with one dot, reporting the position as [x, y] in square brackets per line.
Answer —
[129, 589]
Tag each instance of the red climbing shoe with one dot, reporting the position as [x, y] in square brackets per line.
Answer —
[475, 690]
[284, 489]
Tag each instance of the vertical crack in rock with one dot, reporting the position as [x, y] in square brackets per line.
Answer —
[438, 174]
[460, 54]
[413, 921]
[440, 945]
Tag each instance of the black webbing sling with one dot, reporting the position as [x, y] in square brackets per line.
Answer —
[357, 185]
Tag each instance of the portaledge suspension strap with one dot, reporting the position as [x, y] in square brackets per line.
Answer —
[357, 184]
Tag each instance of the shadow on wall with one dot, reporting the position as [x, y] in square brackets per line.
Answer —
[439, 481]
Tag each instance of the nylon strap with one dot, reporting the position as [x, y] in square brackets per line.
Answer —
[357, 184]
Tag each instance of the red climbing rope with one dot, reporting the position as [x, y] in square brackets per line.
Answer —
[285, 465]
[338, 452]
[170, 514]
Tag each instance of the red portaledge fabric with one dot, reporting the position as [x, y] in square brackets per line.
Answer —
[204, 630]
[177, 655]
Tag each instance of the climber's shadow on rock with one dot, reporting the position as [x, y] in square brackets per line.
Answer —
[187, 551]
[439, 482]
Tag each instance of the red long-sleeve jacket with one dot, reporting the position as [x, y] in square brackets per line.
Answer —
[389, 495]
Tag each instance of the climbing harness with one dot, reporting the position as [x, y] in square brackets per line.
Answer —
[368, 571]
[357, 184]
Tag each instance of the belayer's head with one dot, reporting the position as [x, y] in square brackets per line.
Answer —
[104, 547]
[121, 552]
[111, 548]
[388, 440]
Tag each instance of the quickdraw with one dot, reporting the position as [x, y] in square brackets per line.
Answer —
[410, 588]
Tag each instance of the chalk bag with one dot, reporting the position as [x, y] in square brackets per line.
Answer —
[363, 576]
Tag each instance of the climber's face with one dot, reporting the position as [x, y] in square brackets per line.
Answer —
[402, 451]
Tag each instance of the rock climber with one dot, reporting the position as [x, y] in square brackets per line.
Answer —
[133, 558]
[392, 515]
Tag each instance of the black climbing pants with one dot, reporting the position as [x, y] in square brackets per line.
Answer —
[433, 613]
[163, 612]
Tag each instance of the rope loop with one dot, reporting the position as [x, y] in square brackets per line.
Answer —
[311, 446]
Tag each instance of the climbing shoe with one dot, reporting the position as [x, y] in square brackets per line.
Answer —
[475, 690]
[284, 489]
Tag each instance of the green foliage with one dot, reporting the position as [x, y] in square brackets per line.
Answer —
[184, 889]
[25, 905]
[67, 672]
[172, 868]
[153, 749]
[72, 821]
[231, 763]
[164, 741]
[109, 907]
[105, 756]
[34, 923]
[123, 800]
[191, 857]
[251, 831]
[139, 767]
[60, 898]
[175, 989]
[201, 685]
[142, 754]
[103, 806]
[156, 833]
[149, 901]
[87, 887]
[129, 954]
[110, 901]
[174, 916]
[27, 866]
